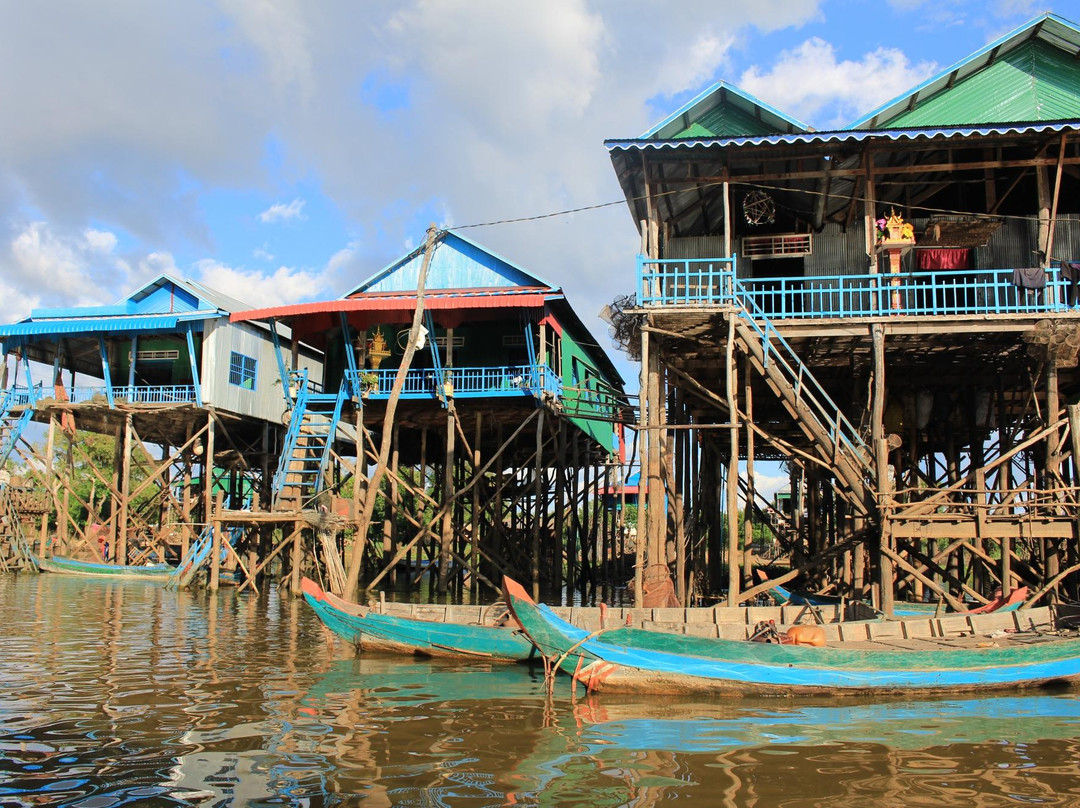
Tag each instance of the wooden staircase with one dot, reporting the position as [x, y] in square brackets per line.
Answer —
[12, 422]
[833, 438]
[306, 453]
[14, 547]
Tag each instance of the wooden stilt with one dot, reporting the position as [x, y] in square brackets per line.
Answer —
[731, 380]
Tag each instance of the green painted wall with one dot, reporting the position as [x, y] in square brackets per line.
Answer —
[156, 371]
[579, 372]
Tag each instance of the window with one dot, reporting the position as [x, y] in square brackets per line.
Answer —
[242, 371]
[157, 356]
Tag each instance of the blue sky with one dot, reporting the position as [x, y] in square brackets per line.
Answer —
[284, 151]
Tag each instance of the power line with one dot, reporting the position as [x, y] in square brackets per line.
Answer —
[540, 216]
[760, 186]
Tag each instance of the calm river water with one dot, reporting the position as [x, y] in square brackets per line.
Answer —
[127, 694]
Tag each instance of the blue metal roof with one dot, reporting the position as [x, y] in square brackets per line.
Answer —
[463, 264]
[103, 325]
[846, 136]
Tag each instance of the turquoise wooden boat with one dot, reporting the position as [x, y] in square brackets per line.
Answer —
[70, 566]
[629, 659]
[782, 596]
[404, 628]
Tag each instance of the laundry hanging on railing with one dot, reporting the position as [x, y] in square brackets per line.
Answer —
[1029, 278]
[1070, 271]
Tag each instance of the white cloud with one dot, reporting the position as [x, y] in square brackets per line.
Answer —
[281, 212]
[262, 254]
[284, 285]
[51, 261]
[157, 263]
[100, 241]
[810, 80]
[15, 302]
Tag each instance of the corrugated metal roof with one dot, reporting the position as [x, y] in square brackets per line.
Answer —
[1034, 82]
[102, 325]
[390, 302]
[457, 262]
[847, 136]
[724, 109]
[1050, 29]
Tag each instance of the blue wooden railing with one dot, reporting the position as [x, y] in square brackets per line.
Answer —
[465, 382]
[167, 394]
[708, 281]
[677, 282]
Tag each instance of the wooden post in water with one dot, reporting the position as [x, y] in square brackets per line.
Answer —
[50, 480]
[1053, 460]
[215, 553]
[476, 519]
[731, 380]
[748, 510]
[364, 517]
[125, 493]
[885, 583]
[447, 531]
[560, 509]
[645, 441]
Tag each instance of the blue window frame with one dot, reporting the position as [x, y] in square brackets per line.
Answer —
[242, 370]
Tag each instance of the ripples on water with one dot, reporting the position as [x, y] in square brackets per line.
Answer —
[114, 694]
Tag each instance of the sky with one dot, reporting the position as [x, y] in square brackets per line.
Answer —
[284, 151]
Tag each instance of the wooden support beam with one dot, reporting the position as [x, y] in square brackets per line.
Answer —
[447, 529]
[364, 517]
[538, 516]
[437, 517]
[730, 380]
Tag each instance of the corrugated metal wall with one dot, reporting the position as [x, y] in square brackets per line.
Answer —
[266, 400]
[695, 247]
[838, 252]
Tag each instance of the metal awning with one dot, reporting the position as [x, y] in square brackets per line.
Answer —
[396, 302]
[69, 326]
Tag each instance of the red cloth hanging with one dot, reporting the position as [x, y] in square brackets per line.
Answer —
[944, 258]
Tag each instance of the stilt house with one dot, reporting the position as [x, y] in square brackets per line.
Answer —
[888, 309]
[159, 368]
[503, 418]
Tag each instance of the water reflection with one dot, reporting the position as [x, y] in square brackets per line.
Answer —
[113, 694]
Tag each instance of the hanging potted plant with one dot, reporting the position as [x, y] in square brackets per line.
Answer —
[369, 381]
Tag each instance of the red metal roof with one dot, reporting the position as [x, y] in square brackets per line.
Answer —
[455, 307]
[436, 301]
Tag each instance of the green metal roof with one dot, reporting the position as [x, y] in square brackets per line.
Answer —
[726, 120]
[1030, 75]
[723, 110]
[1035, 82]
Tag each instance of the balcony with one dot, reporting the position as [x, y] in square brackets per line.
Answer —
[513, 381]
[167, 394]
[712, 282]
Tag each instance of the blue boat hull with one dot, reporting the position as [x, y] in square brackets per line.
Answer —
[630, 659]
[69, 566]
[370, 630]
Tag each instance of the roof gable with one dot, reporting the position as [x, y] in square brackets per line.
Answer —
[1029, 75]
[457, 263]
[163, 297]
[723, 110]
